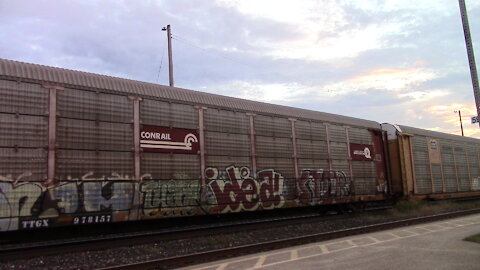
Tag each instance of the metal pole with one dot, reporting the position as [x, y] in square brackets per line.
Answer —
[460, 117]
[170, 58]
[461, 125]
[471, 55]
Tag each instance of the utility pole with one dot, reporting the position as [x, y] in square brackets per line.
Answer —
[460, 117]
[170, 59]
[471, 56]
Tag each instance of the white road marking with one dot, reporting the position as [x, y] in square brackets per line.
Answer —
[260, 262]
[324, 250]
[294, 255]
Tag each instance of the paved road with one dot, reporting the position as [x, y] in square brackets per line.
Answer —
[437, 245]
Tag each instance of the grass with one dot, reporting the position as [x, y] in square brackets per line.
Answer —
[474, 238]
[409, 206]
[406, 209]
[155, 250]
[427, 208]
[226, 240]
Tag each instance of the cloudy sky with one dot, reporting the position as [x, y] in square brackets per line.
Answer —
[397, 61]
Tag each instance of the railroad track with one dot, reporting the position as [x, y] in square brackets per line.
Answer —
[207, 256]
[59, 246]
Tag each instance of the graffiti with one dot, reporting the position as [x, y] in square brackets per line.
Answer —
[16, 181]
[90, 176]
[90, 199]
[170, 212]
[476, 184]
[235, 190]
[17, 200]
[93, 196]
[107, 195]
[160, 196]
[315, 186]
[381, 186]
[68, 198]
[27, 205]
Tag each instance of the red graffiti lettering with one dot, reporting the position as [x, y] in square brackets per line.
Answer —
[236, 190]
[315, 186]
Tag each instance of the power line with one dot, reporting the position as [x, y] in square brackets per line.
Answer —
[257, 69]
[161, 62]
[191, 43]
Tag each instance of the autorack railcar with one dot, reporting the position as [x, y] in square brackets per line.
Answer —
[81, 148]
[432, 165]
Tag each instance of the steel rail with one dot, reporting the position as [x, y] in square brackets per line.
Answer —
[28, 250]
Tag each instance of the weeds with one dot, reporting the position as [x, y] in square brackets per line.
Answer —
[406, 209]
[226, 240]
[155, 250]
[474, 238]
[409, 206]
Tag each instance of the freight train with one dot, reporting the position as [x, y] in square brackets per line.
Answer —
[79, 148]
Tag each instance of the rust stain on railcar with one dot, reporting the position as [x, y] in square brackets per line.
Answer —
[380, 166]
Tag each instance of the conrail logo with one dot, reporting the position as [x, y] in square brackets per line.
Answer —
[366, 153]
[155, 135]
[165, 139]
[361, 152]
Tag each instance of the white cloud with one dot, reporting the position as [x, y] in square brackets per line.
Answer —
[326, 30]
[400, 80]
[279, 93]
[425, 95]
[315, 47]
[383, 60]
[309, 15]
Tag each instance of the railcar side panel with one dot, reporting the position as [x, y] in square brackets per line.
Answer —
[435, 165]
[71, 155]
[169, 185]
[23, 155]
[464, 175]
[23, 98]
[423, 176]
[448, 165]
[95, 106]
[473, 162]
